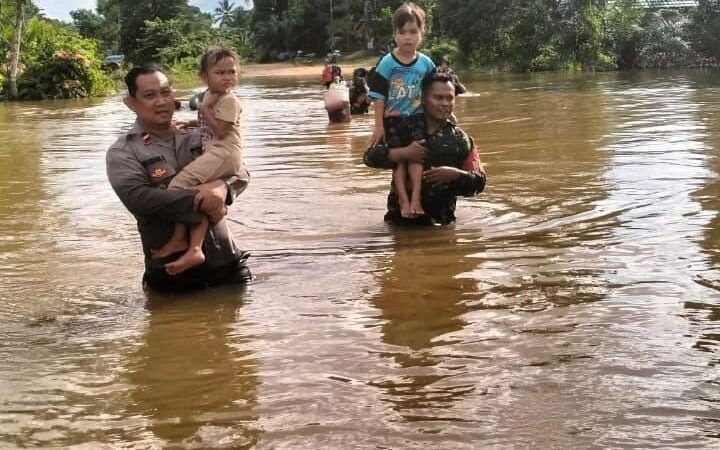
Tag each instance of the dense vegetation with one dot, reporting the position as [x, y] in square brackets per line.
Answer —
[53, 59]
[47, 59]
[516, 35]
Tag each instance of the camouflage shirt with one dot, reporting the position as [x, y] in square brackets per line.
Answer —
[449, 146]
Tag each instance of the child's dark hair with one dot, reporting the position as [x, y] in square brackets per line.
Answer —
[408, 12]
[133, 74]
[214, 55]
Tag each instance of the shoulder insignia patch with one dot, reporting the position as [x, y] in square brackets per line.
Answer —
[159, 172]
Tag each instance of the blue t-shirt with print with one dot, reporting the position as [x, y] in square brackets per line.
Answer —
[399, 85]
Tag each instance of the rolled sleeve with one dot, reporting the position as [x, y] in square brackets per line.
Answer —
[473, 181]
[378, 157]
[379, 87]
[470, 183]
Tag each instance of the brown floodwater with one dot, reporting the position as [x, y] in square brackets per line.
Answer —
[575, 304]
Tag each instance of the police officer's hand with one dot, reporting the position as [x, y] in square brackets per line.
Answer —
[210, 198]
[442, 175]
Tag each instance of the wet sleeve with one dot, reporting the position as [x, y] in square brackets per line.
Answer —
[472, 182]
[129, 180]
[378, 157]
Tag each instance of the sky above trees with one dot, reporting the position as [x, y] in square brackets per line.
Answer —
[59, 9]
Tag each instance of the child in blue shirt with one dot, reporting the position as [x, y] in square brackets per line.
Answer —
[396, 90]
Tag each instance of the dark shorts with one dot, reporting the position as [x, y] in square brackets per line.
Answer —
[234, 273]
[402, 131]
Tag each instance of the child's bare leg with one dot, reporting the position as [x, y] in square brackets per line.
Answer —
[194, 255]
[415, 170]
[177, 243]
[400, 180]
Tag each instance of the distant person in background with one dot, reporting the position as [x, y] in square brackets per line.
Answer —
[359, 100]
[444, 67]
[337, 100]
[327, 75]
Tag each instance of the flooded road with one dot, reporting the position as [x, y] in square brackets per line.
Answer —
[575, 304]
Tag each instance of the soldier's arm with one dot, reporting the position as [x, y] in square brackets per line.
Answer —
[472, 179]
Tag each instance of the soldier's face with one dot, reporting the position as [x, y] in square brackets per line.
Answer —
[154, 101]
[439, 101]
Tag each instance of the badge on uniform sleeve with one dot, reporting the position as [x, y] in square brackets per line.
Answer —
[159, 173]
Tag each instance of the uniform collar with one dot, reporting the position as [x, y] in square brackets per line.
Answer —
[442, 126]
[146, 137]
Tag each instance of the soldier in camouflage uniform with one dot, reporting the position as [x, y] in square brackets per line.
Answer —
[139, 166]
[451, 161]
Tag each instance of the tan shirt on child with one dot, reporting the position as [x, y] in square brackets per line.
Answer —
[221, 157]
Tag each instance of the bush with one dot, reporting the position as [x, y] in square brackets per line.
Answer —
[58, 63]
[444, 47]
[548, 59]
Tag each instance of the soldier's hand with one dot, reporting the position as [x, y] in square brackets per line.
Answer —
[441, 175]
[416, 151]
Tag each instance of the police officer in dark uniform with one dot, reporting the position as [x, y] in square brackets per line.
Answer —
[139, 166]
[451, 160]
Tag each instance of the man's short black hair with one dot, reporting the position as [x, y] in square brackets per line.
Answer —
[135, 72]
[434, 77]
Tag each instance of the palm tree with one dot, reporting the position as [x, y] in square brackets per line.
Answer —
[224, 13]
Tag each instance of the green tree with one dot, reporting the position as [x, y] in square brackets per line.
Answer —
[623, 31]
[587, 19]
[705, 28]
[480, 27]
[132, 15]
[95, 26]
[15, 47]
[59, 63]
[224, 13]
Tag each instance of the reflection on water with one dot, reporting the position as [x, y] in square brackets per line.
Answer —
[192, 376]
[575, 304]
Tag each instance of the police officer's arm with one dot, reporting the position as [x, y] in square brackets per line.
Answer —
[130, 182]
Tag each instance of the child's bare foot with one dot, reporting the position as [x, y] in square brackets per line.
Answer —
[416, 208]
[194, 256]
[405, 210]
[171, 247]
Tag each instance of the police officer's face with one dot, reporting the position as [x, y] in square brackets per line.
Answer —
[154, 101]
[439, 101]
